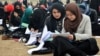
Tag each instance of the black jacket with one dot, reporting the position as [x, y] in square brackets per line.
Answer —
[93, 16]
[16, 21]
[37, 20]
[53, 23]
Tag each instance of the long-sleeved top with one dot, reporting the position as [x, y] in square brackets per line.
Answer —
[53, 24]
[37, 20]
[83, 31]
[26, 16]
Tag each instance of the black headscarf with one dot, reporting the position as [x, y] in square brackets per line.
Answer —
[19, 4]
[60, 8]
[57, 23]
[19, 11]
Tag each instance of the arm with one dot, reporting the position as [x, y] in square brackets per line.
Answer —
[87, 33]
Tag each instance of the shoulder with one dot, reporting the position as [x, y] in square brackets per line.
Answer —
[85, 17]
[48, 18]
[92, 9]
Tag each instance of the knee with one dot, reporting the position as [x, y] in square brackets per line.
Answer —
[94, 49]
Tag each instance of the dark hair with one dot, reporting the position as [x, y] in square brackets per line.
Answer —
[59, 7]
[5, 3]
[17, 3]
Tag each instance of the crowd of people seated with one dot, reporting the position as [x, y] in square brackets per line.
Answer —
[51, 26]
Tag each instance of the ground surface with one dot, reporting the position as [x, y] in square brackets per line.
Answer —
[13, 48]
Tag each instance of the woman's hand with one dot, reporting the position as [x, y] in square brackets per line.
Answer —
[15, 14]
[32, 30]
[70, 37]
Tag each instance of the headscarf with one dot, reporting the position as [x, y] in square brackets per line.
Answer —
[9, 7]
[57, 23]
[19, 4]
[85, 8]
[71, 26]
[60, 8]
[18, 10]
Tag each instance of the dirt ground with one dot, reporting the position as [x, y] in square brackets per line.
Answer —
[13, 48]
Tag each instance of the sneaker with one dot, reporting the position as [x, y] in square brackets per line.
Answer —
[37, 48]
[22, 40]
[32, 38]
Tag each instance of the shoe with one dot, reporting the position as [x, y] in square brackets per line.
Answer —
[5, 37]
[32, 38]
[22, 40]
[37, 48]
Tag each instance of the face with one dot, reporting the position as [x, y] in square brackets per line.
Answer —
[70, 15]
[56, 14]
[17, 7]
[82, 10]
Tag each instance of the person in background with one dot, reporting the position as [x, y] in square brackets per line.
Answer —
[43, 2]
[25, 3]
[5, 3]
[23, 8]
[8, 9]
[26, 16]
[92, 13]
[36, 23]
[49, 2]
[25, 20]
[87, 5]
[67, 1]
[16, 15]
[76, 34]
[14, 19]
[53, 23]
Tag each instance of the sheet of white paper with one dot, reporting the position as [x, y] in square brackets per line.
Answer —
[32, 38]
[98, 19]
[44, 33]
[1, 21]
[7, 25]
[57, 32]
[47, 36]
[13, 28]
[27, 31]
[36, 49]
